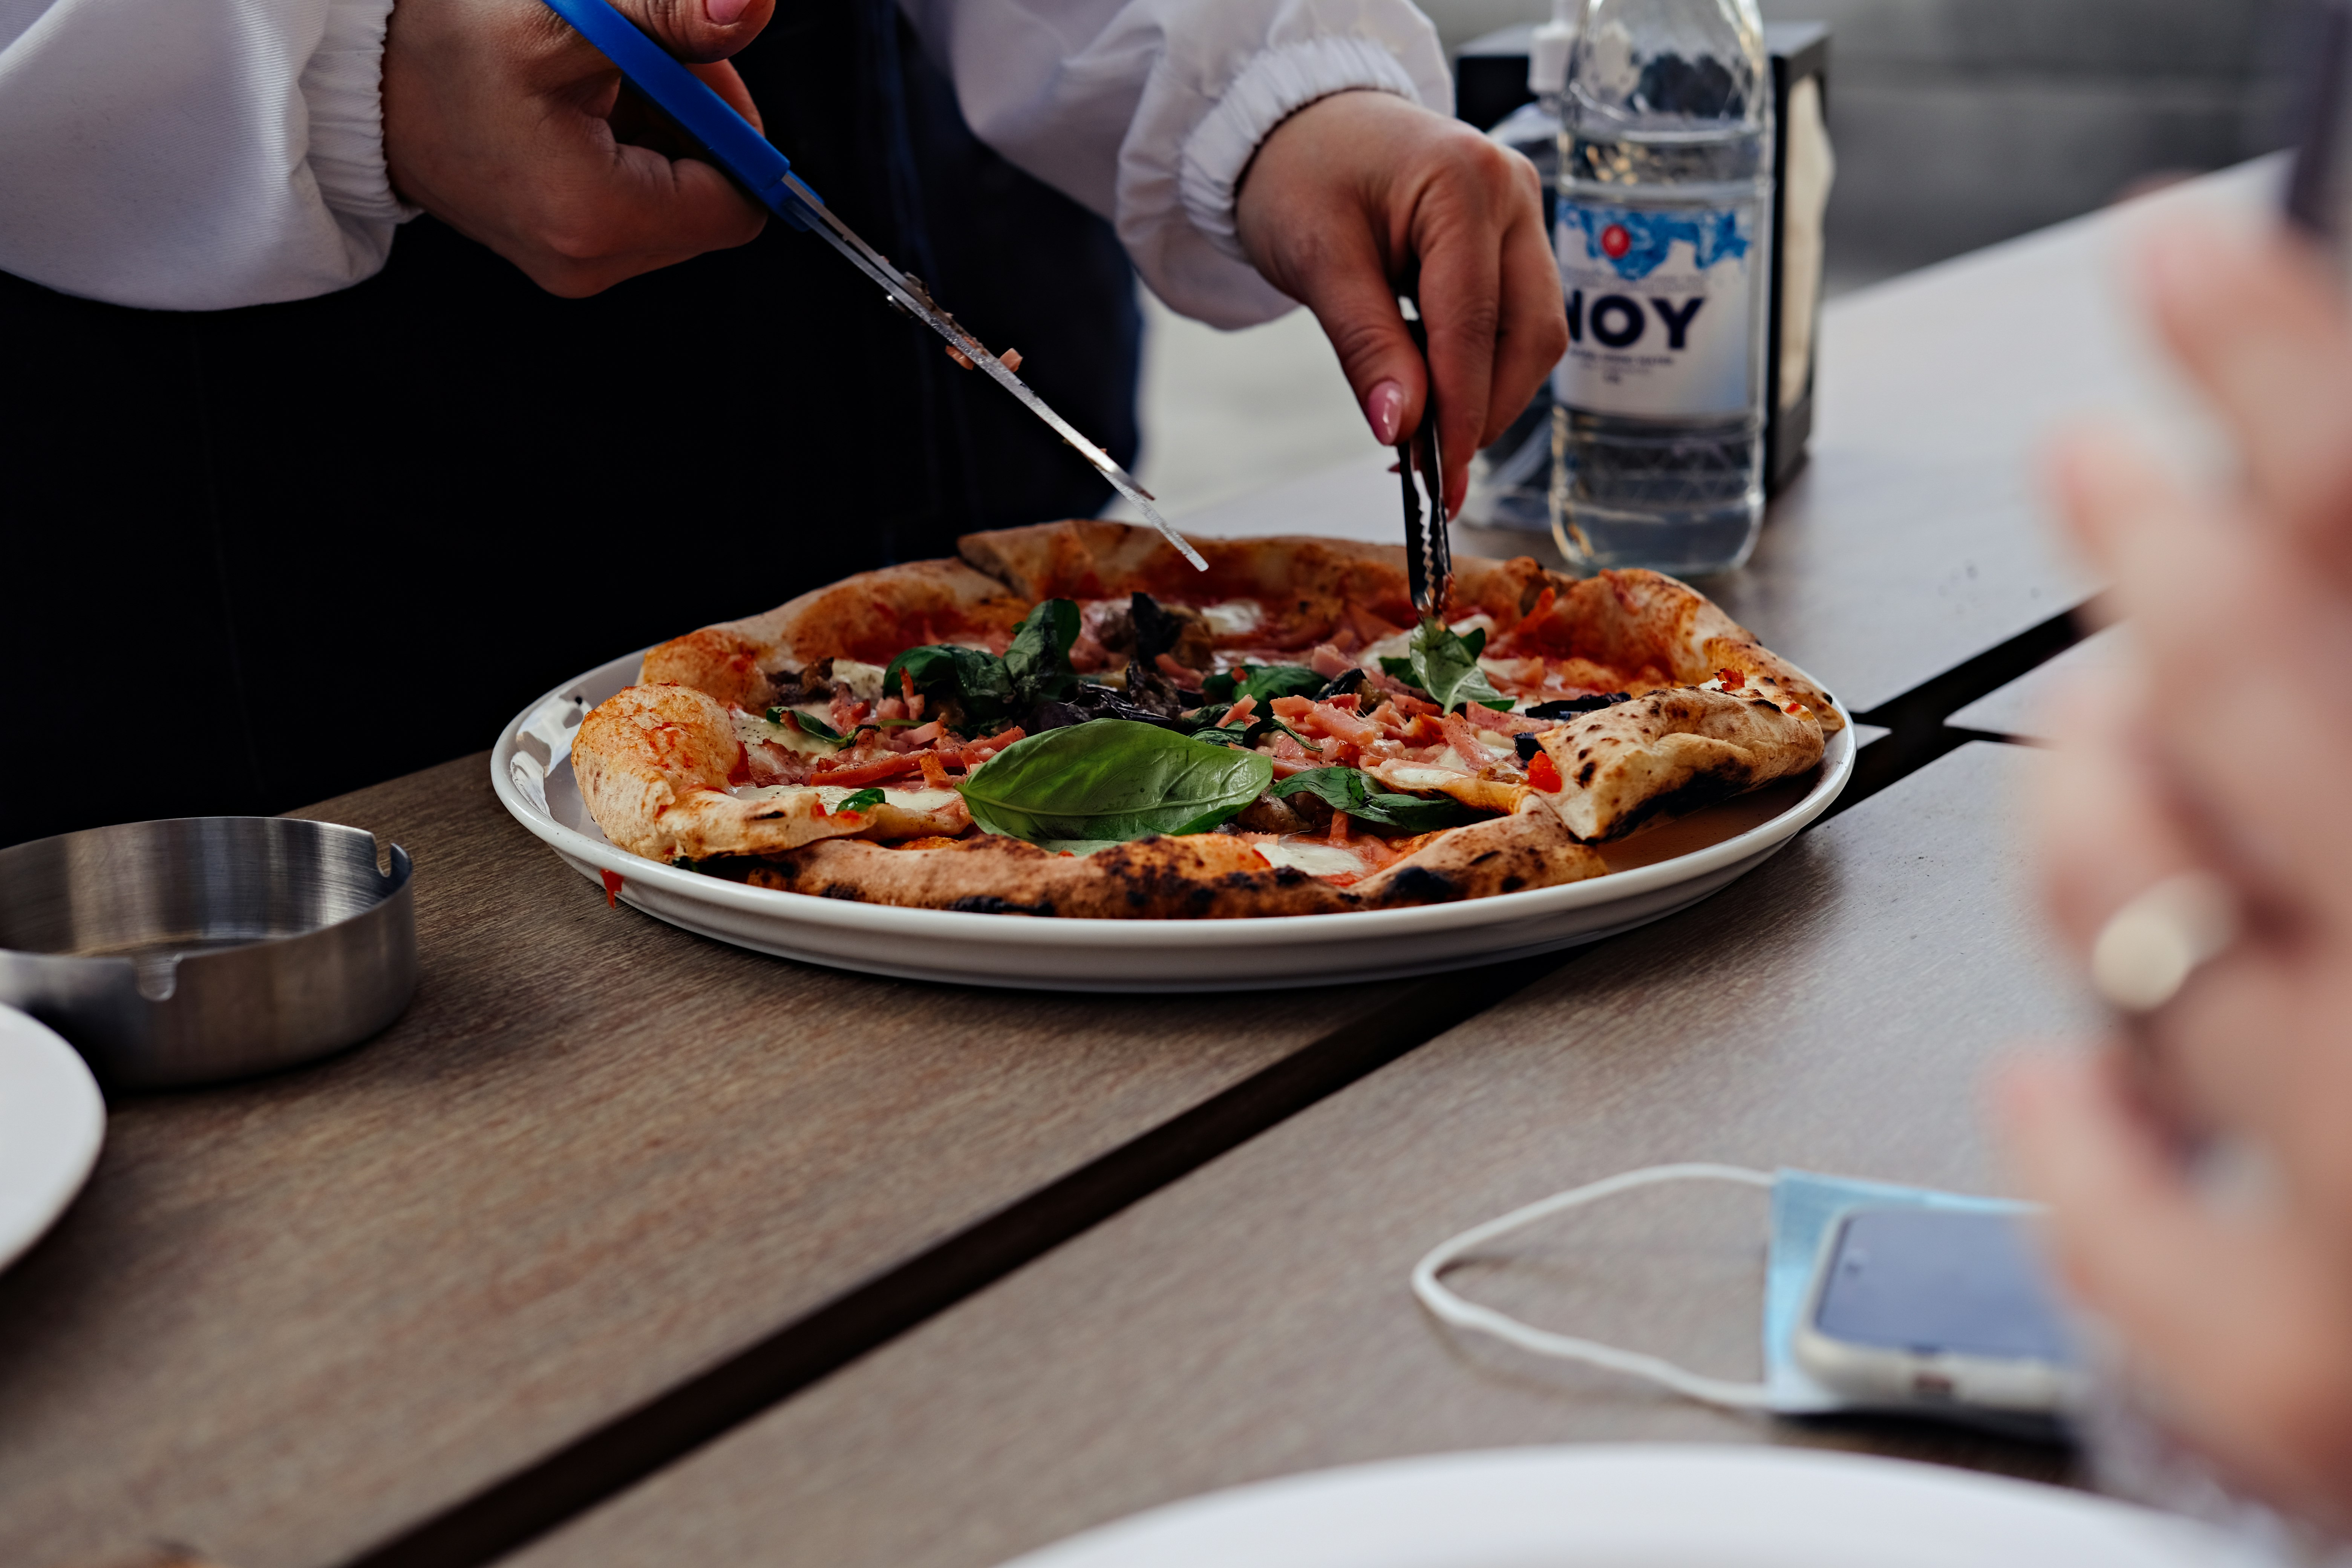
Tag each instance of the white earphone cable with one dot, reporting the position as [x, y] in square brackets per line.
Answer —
[1452, 1309]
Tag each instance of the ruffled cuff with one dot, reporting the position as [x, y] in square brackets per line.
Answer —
[343, 88]
[1275, 85]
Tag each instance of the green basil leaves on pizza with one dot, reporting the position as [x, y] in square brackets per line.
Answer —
[1348, 790]
[1112, 779]
[1443, 664]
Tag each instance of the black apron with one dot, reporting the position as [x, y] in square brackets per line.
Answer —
[257, 557]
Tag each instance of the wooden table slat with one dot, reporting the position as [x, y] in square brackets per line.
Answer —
[290, 1318]
[1837, 1009]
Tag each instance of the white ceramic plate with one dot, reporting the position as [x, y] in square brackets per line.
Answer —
[531, 768]
[1645, 1506]
[52, 1120]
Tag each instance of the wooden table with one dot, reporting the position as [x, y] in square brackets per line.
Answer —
[608, 1191]
[292, 1318]
[2021, 710]
[1837, 1010]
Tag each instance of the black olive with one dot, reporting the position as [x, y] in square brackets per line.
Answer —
[1527, 747]
[1339, 685]
[1569, 707]
[1155, 630]
[1091, 701]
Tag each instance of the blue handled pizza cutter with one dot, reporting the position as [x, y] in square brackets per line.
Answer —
[735, 146]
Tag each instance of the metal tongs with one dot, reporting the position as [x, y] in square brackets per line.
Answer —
[737, 147]
[1428, 546]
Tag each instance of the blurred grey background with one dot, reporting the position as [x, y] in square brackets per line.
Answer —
[1958, 124]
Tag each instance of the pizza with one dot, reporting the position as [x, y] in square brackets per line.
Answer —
[1068, 721]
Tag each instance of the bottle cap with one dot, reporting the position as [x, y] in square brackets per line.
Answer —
[1547, 58]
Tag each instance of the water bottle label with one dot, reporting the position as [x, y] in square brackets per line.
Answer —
[1658, 304]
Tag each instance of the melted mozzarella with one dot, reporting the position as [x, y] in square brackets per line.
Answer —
[830, 795]
[775, 792]
[1234, 617]
[754, 727]
[904, 799]
[1413, 775]
[863, 681]
[1315, 859]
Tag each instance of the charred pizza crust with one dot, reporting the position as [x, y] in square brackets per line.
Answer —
[1202, 876]
[1632, 616]
[869, 618]
[1306, 585]
[1671, 753]
[655, 765]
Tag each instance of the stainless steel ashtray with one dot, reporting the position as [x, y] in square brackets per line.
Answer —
[204, 948]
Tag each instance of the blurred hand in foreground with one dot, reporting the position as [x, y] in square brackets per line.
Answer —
[1360, 196]
[510, 127]
[2225, 747]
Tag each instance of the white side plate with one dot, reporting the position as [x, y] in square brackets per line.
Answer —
[1644, 1506]
[531, 768]
[52, 1121]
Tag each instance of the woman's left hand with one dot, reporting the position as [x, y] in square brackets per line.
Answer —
[1361, 196]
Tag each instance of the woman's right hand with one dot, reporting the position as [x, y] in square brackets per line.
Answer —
[2225, 747]
[500, 120]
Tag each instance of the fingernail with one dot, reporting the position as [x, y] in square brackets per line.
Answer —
[725, 12]
[1385, 409]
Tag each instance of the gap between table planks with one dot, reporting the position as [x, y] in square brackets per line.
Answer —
[601, 1463]
[294, 1317]
[1836, 1010]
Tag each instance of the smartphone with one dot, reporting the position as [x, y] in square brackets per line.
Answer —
[1937, 1312]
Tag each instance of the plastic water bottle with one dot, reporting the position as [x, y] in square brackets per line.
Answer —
[1663, 234]
[1510, 481]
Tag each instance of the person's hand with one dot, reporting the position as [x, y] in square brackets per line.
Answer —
[1360, 196]
[2225, 747]
[510, 127]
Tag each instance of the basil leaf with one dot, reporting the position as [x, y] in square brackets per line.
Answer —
[1111, 779]
[852, 804]
[972, 678]
[1263, 681]
[990, 690]
[1038, 661]
[1345, 789]
[1444, 667]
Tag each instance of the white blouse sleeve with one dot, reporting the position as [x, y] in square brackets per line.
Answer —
[1149, 110]
[194, 154]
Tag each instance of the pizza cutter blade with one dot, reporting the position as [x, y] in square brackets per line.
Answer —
[737, 147]
[1428, 545]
